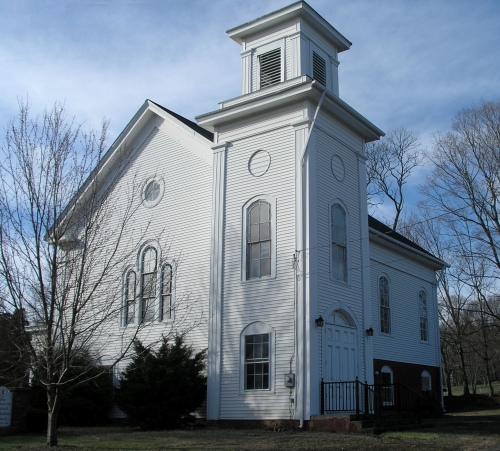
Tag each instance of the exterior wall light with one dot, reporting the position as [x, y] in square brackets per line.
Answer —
[369, 332]
[320, 322]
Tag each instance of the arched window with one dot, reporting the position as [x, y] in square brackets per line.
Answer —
[258, 240]
[387, 382]
[339, 243]
[149, 271]
[426, 381]
[166, 292]
[422, 308]
[129, 298]
[257, 357]
[385, 307]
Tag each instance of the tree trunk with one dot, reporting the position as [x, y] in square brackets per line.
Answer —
[53, 411]
[446, 371]
[464, 371]
[448, 383]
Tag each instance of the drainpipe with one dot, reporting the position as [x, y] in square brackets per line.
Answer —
[303, 219]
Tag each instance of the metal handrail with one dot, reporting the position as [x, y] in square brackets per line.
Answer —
[370, 399]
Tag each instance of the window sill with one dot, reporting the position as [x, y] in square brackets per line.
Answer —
[259, 279]
[340, 282]
[258, 393]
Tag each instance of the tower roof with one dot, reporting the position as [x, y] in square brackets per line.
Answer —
[296, 10]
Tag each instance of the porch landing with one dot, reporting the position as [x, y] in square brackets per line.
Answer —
[345, 423]
[338, 423]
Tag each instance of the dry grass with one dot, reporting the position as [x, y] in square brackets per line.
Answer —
[470, 428]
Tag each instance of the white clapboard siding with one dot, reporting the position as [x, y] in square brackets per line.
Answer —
[179, 225]
[406, 278]
[266, 300]
[332, 138]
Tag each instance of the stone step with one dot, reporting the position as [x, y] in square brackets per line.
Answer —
[348, 423]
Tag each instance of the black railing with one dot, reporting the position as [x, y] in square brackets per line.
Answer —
[370, 399]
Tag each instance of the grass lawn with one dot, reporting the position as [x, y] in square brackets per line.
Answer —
[475, 428]
[480, 389]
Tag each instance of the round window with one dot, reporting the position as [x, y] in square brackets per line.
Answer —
[152, 192]
[259, 163]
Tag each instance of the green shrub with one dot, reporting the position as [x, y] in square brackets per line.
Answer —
[161, 389]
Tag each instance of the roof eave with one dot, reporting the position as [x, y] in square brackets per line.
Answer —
[298, 9]
[148, 110]
[291, 93]
[378, 236]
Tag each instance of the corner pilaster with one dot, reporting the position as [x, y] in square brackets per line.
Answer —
[216, 283]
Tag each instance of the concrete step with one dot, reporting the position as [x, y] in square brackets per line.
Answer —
[348, 423]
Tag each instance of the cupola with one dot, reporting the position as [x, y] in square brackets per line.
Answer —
[289, 43]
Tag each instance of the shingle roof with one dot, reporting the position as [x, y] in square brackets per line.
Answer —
[386, 230]
[190, 124]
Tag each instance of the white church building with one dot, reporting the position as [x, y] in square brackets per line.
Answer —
[265, 199]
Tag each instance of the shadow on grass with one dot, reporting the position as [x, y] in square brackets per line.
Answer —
[476, 415]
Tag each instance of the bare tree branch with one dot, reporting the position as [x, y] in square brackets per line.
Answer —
[390, 164]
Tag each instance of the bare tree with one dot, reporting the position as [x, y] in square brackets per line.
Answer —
[62, 261]
[454, 295]
[465, 182]
[390, 163]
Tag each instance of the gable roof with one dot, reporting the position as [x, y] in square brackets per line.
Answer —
[191, 124]
[383, 231]
[148, 110]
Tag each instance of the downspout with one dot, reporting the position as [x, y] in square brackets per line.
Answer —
[312, 126]
[303, 219]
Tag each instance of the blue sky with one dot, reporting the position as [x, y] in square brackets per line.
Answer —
[412, 63]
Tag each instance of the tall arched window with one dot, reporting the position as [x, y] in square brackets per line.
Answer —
[387, 381]
[422, 308]
[258, 240]
[339, 243]
[129, 298]
[148, 283]
[166, 292]
[426, 381]
[385, 307]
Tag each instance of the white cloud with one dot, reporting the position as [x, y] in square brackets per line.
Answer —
[411, 63]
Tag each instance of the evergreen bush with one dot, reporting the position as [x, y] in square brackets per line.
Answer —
[161, 389]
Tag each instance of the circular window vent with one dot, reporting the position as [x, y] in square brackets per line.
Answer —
[152, 192]
[259, 163]
[338, 169]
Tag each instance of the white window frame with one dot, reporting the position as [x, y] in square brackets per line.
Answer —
[152, 203]
[280, 44]
[257, 328]
[139, 289]
[173, 267]
[154, 299]
[244, 221]
[389, 332]
[390, 399]
[420, 316]
[126, 298]
[345, 279]
[426, 375]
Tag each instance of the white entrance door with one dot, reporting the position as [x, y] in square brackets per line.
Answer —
[340, 364]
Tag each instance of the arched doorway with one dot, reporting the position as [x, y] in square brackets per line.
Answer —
[340, 356]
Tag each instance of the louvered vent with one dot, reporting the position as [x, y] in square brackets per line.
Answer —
[270, 68]
[319, 69]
